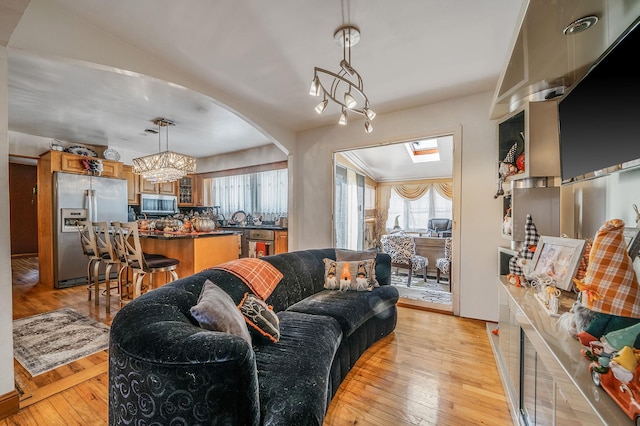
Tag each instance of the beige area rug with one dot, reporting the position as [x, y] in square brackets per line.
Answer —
[46, 341]
[426, 291]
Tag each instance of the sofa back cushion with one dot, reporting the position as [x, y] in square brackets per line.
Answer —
[304, 275]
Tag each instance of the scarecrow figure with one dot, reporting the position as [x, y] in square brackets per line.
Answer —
[609, 290]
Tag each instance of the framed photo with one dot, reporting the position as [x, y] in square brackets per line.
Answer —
[558, 258]
[633, 241]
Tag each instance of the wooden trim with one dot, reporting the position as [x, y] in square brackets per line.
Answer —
[9, 404]
[245, 170]
[425, 306]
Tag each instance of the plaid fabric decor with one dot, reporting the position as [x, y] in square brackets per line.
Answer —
[260, 276]
[531, 239]
[610, 285]
[511, 155]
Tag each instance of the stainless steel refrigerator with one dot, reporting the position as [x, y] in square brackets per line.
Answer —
[76, 197]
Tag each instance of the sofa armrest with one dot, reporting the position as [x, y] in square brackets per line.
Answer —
[163, 367]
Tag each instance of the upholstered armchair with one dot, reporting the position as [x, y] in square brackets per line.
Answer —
[439, 227]
[402, 249]
[443, 264]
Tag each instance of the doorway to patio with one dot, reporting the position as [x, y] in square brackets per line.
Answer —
[396, 189]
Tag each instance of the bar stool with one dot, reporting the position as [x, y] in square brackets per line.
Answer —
[90, 249]
[128, 243]
[108, 256]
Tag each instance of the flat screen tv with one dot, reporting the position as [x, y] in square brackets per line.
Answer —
[600, 115]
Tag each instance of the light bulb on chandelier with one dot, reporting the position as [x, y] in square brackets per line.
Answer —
[345, 87]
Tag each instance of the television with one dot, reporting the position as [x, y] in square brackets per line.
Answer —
[600, 115]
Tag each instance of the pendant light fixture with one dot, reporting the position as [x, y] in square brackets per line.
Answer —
[165, 166]
[344, 88]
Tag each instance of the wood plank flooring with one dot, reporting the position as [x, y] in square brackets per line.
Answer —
[435, 369]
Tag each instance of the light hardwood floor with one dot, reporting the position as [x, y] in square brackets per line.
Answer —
[434, 369]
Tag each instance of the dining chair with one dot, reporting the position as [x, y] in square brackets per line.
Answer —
[108, 256]
[129, 248]
[402, 249]
[90, 249]
[443, 264]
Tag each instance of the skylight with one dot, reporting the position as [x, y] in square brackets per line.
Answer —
[423, 150]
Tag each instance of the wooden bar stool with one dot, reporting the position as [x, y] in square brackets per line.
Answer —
[90, 249]
[108, 256]
[140, 263]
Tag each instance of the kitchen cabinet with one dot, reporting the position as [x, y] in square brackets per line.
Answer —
[190, 191]
[198, 190]
[166, 188]
[133, 185]
[185, 191]
[281, 242]
[73, 163]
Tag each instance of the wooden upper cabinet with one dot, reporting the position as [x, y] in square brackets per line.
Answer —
[198, 190]
[133, 185]
[167, 188]
[73, 163]
[190, 191]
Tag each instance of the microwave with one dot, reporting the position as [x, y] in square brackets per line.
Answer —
[157, 204]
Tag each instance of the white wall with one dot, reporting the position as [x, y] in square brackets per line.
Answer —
[479, 225]
[238, 159]
[6, 308]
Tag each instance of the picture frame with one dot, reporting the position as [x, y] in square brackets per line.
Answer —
[632, 239]
[558, 258]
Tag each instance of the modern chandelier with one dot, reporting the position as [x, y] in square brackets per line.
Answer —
[345, 88]
[165, 166]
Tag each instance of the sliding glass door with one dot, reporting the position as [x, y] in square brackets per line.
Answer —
[349, 208]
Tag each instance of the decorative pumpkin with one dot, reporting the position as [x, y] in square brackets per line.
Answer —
[203, 224]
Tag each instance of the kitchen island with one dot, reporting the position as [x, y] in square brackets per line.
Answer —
[195, 251]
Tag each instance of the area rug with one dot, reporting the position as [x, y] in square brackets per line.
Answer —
[47, 341]
[427, 291]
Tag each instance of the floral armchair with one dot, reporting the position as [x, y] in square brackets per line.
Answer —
[402, 249]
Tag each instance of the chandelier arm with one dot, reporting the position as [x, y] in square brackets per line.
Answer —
[336, 82]
[349, 83]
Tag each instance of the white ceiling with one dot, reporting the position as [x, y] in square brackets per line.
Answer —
[412, 52]
[392, 163]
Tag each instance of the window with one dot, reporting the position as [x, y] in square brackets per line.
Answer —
[414, 215]
[259, 194]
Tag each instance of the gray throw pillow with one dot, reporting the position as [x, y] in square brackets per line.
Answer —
[216, 311]
[344, 255]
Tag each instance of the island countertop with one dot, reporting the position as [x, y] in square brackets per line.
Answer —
[169, 235]
[240, 228]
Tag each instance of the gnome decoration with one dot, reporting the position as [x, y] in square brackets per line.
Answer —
[610, 287]
[518, 264]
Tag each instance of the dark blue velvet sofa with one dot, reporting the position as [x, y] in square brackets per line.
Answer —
[166, 370]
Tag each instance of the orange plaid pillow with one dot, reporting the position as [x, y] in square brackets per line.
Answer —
[260, 276]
